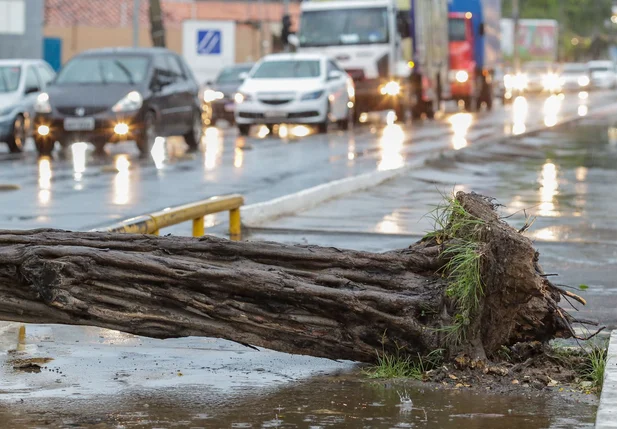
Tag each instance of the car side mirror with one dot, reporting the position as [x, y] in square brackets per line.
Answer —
[243, 75]
[403, 24]
[32, 90]
[334, 75]
[159, 81]
[293, 40]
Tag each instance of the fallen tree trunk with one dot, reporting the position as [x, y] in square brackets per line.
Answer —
[326, 302]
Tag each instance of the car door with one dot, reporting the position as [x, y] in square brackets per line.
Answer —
[337, 88]
[184, 94]
[32, 88]
[161, 85]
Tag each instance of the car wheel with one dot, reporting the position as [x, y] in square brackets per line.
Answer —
[244, 129]
[193, 137]
[147, 137]
[17, 139]
[345, 124]
[44, 146]
[322, 127]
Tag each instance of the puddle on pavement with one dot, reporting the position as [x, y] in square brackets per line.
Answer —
[328, 402]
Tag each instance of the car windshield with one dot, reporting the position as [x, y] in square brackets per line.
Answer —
[286, 69]
[456, 30]
[574, 69]
[9, 78]
[599, 68]
[104, 70]
[232, 74]
[344, 27]
[537, 68]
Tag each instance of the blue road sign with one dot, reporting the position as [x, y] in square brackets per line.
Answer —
[209, 42]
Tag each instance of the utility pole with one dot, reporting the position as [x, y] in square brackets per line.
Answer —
[515, 20]
[136, 23]
[285, 13]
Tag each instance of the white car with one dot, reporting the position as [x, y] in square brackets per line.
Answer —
[603, 74]
[574, 77]
[295, 89]
[20, 83]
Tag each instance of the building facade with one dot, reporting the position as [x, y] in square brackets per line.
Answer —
[21, 28]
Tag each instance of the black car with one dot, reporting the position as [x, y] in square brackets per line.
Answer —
[112, 95]
[219, 95]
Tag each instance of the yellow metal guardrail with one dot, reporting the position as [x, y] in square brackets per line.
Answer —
[152, 223]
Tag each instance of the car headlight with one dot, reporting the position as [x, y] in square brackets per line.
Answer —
[391, 88]
[550, 81]
[241, 97]
[314, 95]
[210, 95]
[41, 105]
[132, 101]
[508, 81]
[583, 81]
[520, 82]
[461, 76]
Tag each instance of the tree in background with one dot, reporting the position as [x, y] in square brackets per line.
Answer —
[157, 29]
[582, 22]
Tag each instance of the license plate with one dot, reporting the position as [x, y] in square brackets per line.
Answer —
[274, 114]
[230, 107]
[79, 124]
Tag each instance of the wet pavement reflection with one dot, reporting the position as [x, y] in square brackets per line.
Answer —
[326, 402]
[269, 163]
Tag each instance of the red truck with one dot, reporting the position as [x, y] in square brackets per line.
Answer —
[474, 34]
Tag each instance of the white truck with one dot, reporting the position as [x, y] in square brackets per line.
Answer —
[395, 50]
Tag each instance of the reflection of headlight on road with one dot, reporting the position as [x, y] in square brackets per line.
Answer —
[583, 81]
[391, 88]
[462, 76]
[210, 95]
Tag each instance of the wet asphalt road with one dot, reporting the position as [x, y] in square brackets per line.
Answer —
[79, 191]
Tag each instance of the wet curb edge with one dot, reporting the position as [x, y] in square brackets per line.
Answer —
[606, 418]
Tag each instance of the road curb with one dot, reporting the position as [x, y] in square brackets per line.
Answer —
[606, 418]
[255, 215]
[5, 326]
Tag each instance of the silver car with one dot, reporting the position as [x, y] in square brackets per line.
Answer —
[20, 83]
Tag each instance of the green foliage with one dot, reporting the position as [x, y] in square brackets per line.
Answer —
[595, 364]
[582, 17]
[398, 365]
[452, 222]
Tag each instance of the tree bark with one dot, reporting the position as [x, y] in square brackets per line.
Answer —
[327, 302]
[157, 27]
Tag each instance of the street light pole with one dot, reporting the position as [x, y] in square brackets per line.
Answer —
[135, 23]
[285, 13]
[515, 19]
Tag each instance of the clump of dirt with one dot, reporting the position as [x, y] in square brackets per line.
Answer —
[32, 365]
[523, 367]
